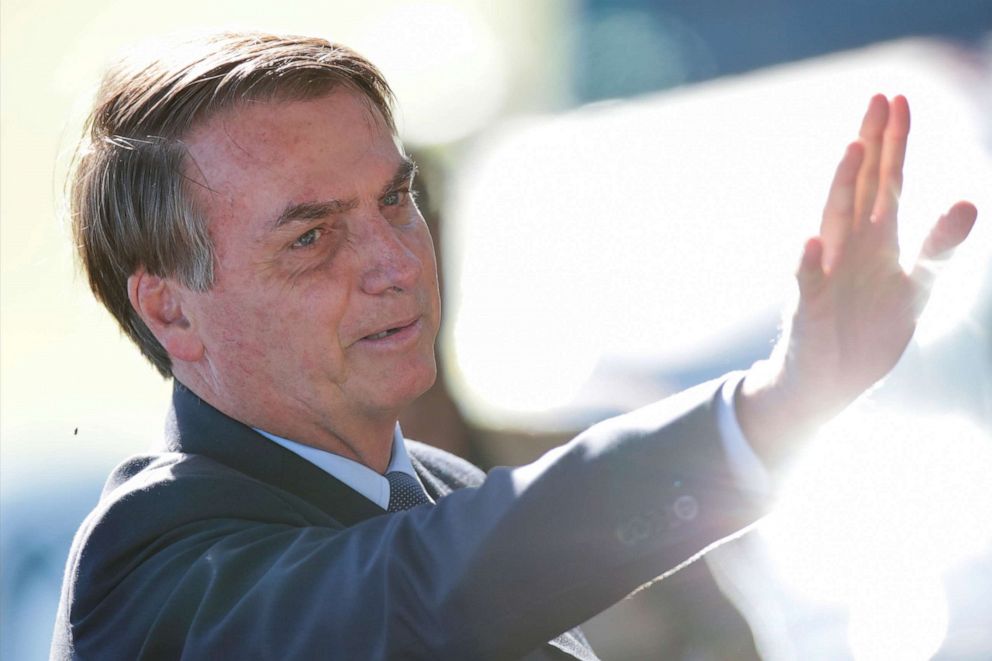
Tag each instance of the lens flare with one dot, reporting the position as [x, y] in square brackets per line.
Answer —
[873, 515]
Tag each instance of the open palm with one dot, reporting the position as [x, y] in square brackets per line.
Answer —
[857, 307]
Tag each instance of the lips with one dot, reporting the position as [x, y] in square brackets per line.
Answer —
[379, 336]
[393, 329]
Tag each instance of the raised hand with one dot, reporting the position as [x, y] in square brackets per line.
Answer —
[857, 308]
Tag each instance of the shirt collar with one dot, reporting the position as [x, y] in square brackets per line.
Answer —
[358, 476]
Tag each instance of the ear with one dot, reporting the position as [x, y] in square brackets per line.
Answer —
[159, 303]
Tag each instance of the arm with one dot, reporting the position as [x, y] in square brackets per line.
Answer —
[857, 308]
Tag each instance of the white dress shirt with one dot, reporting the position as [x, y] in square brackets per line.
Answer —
[748, 470]
[358, 476]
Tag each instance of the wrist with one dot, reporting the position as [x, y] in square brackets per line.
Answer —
[776, 413]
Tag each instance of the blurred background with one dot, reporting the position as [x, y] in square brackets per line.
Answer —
[620, 192]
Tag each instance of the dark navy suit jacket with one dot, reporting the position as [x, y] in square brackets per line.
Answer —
[226, 545]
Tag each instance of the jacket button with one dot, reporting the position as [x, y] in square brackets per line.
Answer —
[632, 531]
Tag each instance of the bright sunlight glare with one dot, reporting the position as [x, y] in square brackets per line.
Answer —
[657, 232]
[437, 55]
[879, 507]
[907, 621]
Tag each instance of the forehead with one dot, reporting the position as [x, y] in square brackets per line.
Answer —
[270, 153]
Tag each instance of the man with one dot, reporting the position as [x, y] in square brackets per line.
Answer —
[244, 210]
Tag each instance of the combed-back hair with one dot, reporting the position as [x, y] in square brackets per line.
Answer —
[130, 202]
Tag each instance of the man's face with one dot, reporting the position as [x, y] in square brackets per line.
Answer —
[325, 304]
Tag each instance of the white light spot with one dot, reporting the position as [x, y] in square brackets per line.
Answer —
[445, 65]
[878, 508]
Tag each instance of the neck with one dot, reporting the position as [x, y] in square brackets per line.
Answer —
[365, 439]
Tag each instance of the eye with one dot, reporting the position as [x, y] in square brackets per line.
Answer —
[308, 238]
[396, 198]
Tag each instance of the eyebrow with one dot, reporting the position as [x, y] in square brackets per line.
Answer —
[307, 211]
[404, 172]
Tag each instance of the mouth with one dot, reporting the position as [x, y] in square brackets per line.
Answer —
[383, 334]
[401, 329]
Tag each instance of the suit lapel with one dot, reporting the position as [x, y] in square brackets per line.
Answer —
[434, 487]
[195, 427]
[198, 428]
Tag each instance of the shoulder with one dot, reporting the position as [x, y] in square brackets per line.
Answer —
[178, 489]
[160, 515]
[168, 503]
[452, 470]
[208, 486]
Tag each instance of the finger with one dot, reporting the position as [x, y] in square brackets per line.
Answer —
[838, 212]
[950, 230]
[947, 234]
[872, 131]
[810, 274]
[893, 156]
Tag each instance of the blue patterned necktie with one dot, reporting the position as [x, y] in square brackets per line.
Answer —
[404, 492]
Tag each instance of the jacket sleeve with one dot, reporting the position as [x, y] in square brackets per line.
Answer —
[189, 559]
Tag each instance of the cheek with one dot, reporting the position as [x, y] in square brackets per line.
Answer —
[238, 321]
[240, 330]
[313, 317]
[422, 246]
[430, 275]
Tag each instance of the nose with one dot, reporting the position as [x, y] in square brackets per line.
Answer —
[388, 261]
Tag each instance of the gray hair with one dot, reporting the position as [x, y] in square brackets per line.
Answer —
[130, 201]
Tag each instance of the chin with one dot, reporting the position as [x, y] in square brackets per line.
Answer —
[427, 379]
[414, 383]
